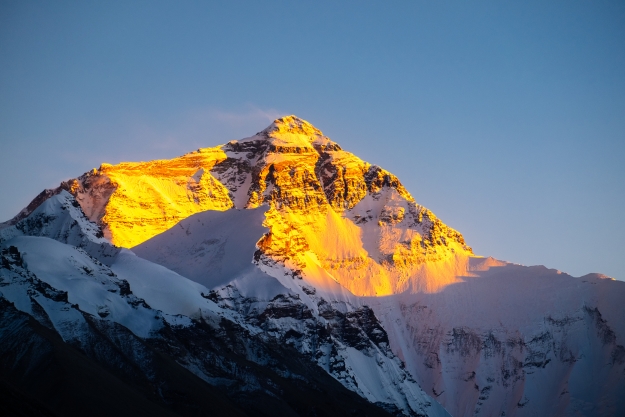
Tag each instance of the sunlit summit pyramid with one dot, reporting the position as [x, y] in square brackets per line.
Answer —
[330, 213]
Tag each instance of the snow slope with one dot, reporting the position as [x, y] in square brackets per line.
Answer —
[61, 218]
[211, 247]
[516, 340]
[89, 285]
[217, 249]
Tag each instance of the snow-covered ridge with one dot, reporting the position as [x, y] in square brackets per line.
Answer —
[515, 340]
[61, 218]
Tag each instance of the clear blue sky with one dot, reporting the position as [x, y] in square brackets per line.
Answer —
[505, 118]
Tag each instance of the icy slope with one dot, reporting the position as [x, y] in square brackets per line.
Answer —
[86, 284]
[211, 247]
[516, 340]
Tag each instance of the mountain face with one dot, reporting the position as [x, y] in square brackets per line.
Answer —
[282, 275]
[328, 210]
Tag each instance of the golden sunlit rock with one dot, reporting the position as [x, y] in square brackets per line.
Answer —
[328, 210]
[134, 201]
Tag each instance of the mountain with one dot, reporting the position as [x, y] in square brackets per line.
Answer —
[135, 338]
[279, 266]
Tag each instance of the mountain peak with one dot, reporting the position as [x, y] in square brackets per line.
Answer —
[293, 125]
[292, 132]
[332, 215]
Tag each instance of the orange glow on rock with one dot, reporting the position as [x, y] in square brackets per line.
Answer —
[147, 198]
[331, 217]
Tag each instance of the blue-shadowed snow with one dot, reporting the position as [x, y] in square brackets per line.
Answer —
[211, 248]
[61, 218]
[88, 283]
[163, 289]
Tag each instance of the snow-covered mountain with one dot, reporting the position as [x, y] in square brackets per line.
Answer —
[173, 346]
[279, 266]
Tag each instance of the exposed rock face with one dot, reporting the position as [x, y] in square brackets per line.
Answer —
[329, 209]
[347, 342]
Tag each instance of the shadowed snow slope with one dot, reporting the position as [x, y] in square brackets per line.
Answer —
[211, 247]
[516, 340]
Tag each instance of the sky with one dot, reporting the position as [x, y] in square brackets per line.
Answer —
[506, 119]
